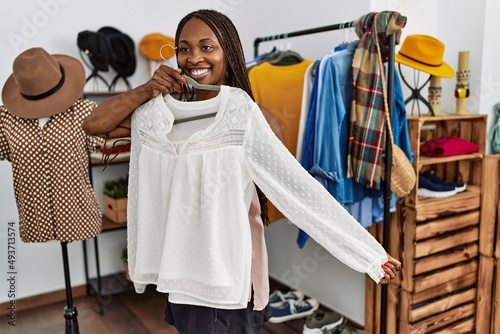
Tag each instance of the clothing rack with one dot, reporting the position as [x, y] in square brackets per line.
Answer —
[270, 38]
[388, 148]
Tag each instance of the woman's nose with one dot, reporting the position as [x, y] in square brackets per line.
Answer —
[195, 58]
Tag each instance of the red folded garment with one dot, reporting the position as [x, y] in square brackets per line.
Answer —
[446, 146]
[115, 149]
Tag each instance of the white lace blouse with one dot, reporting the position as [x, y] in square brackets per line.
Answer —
[188, 229]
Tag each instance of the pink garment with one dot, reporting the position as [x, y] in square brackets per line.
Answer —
[447, 146]
[259, 272]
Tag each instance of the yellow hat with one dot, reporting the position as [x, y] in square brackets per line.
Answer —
[151, 44]
[424, 53]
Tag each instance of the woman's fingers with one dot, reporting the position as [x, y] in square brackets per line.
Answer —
[385, 280]
[397, 264]
[391, 269]
[165, 80]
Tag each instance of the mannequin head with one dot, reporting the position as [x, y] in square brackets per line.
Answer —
[42, 85]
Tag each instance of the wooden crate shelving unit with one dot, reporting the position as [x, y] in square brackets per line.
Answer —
[445, 284]
[489, 303]
[459, 168]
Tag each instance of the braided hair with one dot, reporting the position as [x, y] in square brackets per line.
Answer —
[237, 74]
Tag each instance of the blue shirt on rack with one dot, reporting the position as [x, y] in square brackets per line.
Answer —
[325, 142]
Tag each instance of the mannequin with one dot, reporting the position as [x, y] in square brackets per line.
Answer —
[424, 54]
[41, 135]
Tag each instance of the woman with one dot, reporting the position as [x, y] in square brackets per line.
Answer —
[190, 185]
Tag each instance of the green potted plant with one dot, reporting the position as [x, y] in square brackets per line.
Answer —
[115, 199]
[124, 257]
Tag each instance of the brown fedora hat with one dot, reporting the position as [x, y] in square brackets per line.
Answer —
[42, 85]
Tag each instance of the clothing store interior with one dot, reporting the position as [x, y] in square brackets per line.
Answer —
[369, 200]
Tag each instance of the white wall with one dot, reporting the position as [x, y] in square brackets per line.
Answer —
[54, 25]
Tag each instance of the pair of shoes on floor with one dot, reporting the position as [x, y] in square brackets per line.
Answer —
[277, 297]
[322, 320]
[429, 185]
[344, 329]
[293, 309]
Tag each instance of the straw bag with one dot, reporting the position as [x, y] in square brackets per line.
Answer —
[403, 177]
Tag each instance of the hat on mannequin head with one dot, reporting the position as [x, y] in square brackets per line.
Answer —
[424, 53]
[42, 85]
[122, 47]
[96, 46]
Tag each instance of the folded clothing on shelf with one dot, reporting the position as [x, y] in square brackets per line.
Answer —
[116, 149]
[116, 145]
[447, 146]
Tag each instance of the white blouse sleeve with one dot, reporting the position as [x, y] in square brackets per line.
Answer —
[305, 202]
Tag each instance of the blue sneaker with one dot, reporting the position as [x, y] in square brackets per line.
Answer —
[277, 297]
[292, 309]
[458, 186]
[428, 187]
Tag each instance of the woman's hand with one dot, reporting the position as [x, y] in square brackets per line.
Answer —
[391, 269]
[164, 80]
[115, 111]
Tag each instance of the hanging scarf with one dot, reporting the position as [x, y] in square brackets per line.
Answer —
[366, 140]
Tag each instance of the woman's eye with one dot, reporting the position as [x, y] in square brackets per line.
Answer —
[207, 47]
[183, 49]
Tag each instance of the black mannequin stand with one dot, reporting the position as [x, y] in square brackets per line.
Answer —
[112, 85]
[70, 313]
[416, 94]
[94, 72]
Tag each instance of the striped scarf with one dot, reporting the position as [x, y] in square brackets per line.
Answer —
[367, 132]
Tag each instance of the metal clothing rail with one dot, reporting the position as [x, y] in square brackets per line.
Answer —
[388, 148]
[270, 38]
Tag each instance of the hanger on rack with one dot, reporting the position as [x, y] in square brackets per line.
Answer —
[343, 44]
[286, 56]
[197, 85]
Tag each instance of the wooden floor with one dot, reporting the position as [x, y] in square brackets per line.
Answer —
[127, 312]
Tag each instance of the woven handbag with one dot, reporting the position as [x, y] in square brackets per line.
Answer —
[403, 176]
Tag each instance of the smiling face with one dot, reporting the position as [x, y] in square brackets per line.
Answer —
[200, 54]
